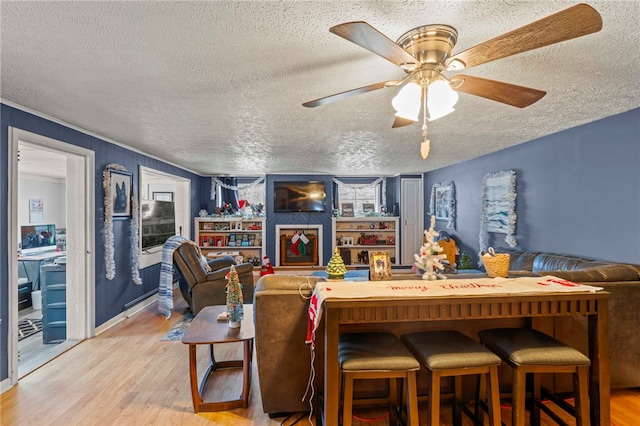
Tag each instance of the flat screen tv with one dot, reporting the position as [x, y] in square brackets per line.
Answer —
[37, 238]
[158, 222]
[308, 196]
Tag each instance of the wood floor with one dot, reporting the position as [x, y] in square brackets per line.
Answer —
[128, 376]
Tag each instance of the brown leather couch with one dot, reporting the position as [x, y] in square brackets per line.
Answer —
[622, 280]
[201, 288]
[280, 308]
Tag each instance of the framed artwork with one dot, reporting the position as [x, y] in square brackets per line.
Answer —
[120, 193]
[368, 208]
[163, 196]
[442, 204]
[498, 207]
[379, 266]
[347, 209]
[36, 210]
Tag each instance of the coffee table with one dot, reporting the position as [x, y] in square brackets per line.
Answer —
[207, 330]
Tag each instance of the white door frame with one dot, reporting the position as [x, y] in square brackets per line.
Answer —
[80, 205]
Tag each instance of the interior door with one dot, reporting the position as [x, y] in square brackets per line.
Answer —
[412, 217]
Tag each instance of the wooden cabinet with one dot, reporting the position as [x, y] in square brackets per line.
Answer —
[235, 236]
[353, 235]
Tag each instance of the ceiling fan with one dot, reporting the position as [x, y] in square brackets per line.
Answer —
[424, 53]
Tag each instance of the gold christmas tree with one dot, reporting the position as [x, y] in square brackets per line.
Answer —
[335, 267]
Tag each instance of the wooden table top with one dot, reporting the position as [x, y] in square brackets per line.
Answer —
[206, 329]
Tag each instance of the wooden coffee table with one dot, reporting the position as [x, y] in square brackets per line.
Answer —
[207, 330]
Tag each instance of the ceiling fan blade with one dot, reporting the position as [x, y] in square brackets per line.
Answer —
[506, 93]
[570, 23]
[401, 122]
[364, 35]
[343, 95]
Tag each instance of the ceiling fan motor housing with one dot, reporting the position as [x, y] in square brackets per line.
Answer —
[429, 44]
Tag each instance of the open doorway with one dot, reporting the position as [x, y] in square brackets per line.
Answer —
[55, 181]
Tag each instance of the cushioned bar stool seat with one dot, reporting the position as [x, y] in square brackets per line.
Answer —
[378, 356]
[450, 353]
[531, 351]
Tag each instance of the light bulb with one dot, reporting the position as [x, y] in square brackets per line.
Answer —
[441, 99]
[407, 102]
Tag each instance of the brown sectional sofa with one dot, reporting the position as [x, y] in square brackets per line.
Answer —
[622, 280]
[280, 315]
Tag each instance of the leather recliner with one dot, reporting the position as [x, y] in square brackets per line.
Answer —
[201, 288]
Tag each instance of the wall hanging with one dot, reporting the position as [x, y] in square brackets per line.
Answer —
[120, 202]
[498, 207]
[442, 204]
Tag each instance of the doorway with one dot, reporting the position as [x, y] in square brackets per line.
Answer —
[76, 170]
[412, 214]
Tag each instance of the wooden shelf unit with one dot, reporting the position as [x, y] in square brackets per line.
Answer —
[347, 229]
[242, 237]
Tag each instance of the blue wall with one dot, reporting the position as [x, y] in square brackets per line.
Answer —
[578, 192]
[110, 296]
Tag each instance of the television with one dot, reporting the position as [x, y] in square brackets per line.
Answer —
[158, 222]
[37, 238]
[300, 196]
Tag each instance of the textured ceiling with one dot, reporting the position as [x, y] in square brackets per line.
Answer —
[217, 87]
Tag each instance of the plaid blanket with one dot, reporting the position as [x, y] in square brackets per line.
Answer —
[165, 286]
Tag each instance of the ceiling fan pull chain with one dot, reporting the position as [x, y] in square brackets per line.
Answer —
[425, 146]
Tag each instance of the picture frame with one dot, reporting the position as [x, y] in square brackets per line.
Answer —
[368, 208]
[162, 196]
[36, 210]
[379, 266]
[442, 203]
[347, 209]
[120, 187]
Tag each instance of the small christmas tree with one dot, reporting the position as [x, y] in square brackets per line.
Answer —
[234, 298]
[465, 261]
[335, 267]
[428, 260]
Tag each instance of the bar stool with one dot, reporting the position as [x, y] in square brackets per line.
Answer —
[531, 351]
[378, 356]
[451, 353]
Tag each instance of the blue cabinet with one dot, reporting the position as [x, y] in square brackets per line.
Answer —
[53, 279]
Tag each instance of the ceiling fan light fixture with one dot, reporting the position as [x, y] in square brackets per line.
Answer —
[435, 112]
[407, 102]
[440, 99]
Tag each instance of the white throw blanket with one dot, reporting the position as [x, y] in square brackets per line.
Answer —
[439, 288]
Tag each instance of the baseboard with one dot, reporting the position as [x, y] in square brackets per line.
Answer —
[126, 314]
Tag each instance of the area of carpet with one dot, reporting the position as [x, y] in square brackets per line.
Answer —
[28, 327]
[177, 331]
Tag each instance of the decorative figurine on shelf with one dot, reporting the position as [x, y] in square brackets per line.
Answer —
[227, 208]
[363, 257]
[428, 260]
[235, 309]
[335, 267]
[266, 268]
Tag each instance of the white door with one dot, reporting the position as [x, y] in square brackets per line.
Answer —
[412, 217]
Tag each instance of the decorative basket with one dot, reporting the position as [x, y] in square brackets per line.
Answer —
[496, 264]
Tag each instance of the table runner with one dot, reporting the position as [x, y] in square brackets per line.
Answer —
[439, 288]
